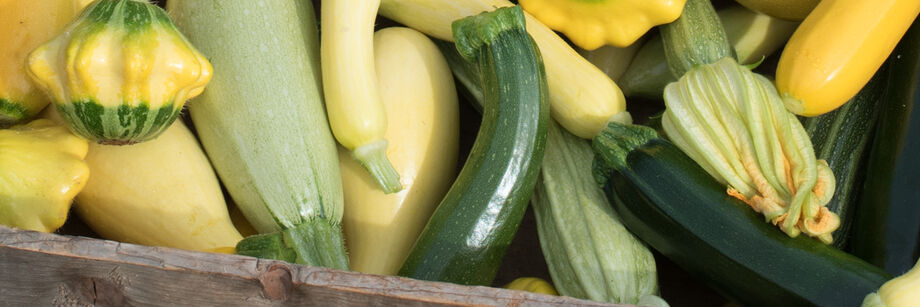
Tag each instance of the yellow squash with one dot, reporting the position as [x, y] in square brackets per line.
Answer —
[41, 169]
[532, 284]
[23, 26]
[594, 23]
[356, 114]
[158, 193]
[582, 98]
[418, 95]
[835, 51]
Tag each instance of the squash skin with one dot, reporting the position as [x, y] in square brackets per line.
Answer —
[41, 170]
[467, 236]
[120, 73]
[837, 49]
[158, 193]
[671, 203]
[24, 25]
[887, 219]
[262, 120]
[418, 94]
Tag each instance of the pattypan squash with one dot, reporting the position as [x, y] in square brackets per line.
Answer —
[121, 72]
[590, 24]
[41, 170]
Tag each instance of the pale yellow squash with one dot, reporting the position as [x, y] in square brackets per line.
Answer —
[158, 193]
[418, 95]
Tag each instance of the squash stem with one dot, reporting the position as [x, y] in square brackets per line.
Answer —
[617, 140]
[316, 242]
[373, 157]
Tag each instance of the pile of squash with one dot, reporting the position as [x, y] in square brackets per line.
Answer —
[766, 147]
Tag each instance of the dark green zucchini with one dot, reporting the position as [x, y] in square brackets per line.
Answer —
[841, 138]
[887, 223]
[467, 236]
[671, 203]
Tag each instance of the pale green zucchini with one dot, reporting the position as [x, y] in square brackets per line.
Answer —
[262, 120]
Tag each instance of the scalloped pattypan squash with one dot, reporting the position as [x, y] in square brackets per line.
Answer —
[121, 72]
[590, 24]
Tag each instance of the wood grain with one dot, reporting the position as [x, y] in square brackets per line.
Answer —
[61, 270]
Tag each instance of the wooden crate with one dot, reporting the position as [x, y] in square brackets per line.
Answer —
[40, 269]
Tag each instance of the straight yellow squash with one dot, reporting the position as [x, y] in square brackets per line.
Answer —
[418, 95]
[158, 193]
[23, 26]
[837, 49]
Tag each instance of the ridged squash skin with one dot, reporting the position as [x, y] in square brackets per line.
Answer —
[120, 72]
[157, 193]
[418, 95]
[837, 49]
[23, 26]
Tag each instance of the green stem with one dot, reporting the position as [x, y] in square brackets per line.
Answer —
[316, 242]
[373, 157]
[617, 140]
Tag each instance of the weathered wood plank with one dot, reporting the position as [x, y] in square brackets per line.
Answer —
[50, 269]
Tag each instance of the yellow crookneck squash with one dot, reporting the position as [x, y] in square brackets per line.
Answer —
[418, 94]
[41, 170]
[23, 26]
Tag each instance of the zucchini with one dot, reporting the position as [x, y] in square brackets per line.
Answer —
[262, 123]
[589, 253]
[672, 204]
[887, 223]
[469, 232]
[841, 138]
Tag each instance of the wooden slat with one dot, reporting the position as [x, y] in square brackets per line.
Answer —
[50, 269]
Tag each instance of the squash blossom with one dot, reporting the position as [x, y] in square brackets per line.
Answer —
[119, 73]
[733, 123]
[590, 24]
[43, 169]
